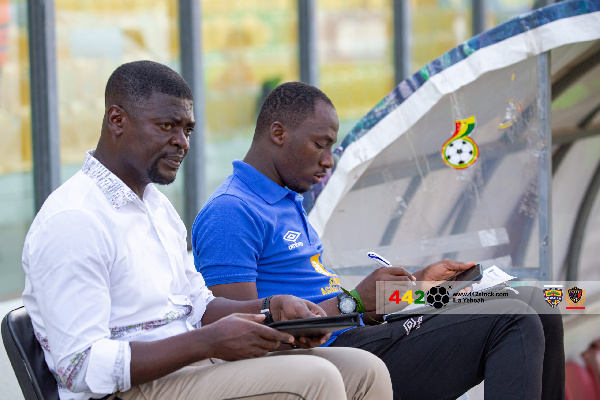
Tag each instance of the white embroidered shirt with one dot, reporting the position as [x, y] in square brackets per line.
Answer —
[104, 268]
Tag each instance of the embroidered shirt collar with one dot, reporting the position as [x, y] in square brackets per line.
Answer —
[113, 188]
[264, 187]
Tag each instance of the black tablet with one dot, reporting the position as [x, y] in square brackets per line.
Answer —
[318, 326]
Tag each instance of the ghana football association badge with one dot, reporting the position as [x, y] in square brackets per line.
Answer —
[553, 294]
[575, 298]
[460, 151]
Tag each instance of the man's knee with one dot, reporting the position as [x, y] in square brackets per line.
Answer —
[323, 377]
[317, 367]
[528, 326]
[365, 375]
[370, 363]
[530, 322]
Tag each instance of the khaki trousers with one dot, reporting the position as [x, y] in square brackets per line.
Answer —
[319, 373]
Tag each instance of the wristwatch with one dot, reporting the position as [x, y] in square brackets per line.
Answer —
[265, 309]
[346, 303]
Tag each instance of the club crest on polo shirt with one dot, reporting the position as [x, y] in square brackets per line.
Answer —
[292, 236]
[314, 260]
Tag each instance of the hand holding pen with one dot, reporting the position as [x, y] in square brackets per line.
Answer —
[385, 263]
[367, 288]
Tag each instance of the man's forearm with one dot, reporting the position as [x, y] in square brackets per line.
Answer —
[330, 306]
[234, 337]
[247, 291]
[221, 307]
[153, 360]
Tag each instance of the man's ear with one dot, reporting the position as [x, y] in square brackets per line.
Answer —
[278, 133]
[114, 117]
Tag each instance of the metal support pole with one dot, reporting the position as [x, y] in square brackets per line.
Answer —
[191, 70]
[545, 167]
[44, 99]
[307, 42]
[402, 35]
[478, 16]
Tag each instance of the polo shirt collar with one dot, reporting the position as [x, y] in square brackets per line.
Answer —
[113, 188]
[264, 187]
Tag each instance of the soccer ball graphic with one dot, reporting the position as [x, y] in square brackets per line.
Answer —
[437, 297]
[460, 153]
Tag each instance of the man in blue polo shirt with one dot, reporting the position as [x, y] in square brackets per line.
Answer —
[276, 239]
[276, 234]
[252, 239]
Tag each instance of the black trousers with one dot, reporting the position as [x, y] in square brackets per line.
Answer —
[441, 356]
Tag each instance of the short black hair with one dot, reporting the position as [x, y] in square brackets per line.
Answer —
[132, 84]
[289, 103]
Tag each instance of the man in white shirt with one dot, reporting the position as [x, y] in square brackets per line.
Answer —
[117, 308]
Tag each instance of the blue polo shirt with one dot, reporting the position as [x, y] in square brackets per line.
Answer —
[253, 230]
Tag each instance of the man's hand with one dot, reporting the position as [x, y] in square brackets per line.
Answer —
[286, 307]
[440, 271]
[241, 336]
[234, 337]
[283, 307]
[366, 288]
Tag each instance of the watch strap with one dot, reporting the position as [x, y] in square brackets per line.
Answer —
[265, 309]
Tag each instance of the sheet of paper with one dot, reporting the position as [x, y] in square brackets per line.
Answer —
[492, 277]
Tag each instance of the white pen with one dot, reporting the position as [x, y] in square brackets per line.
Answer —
[381, 261]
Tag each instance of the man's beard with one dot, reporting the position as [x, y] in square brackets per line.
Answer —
[156, 177]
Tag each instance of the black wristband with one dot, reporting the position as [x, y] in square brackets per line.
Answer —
[266, 310]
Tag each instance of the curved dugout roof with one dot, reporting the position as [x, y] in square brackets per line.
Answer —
[399, 187]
